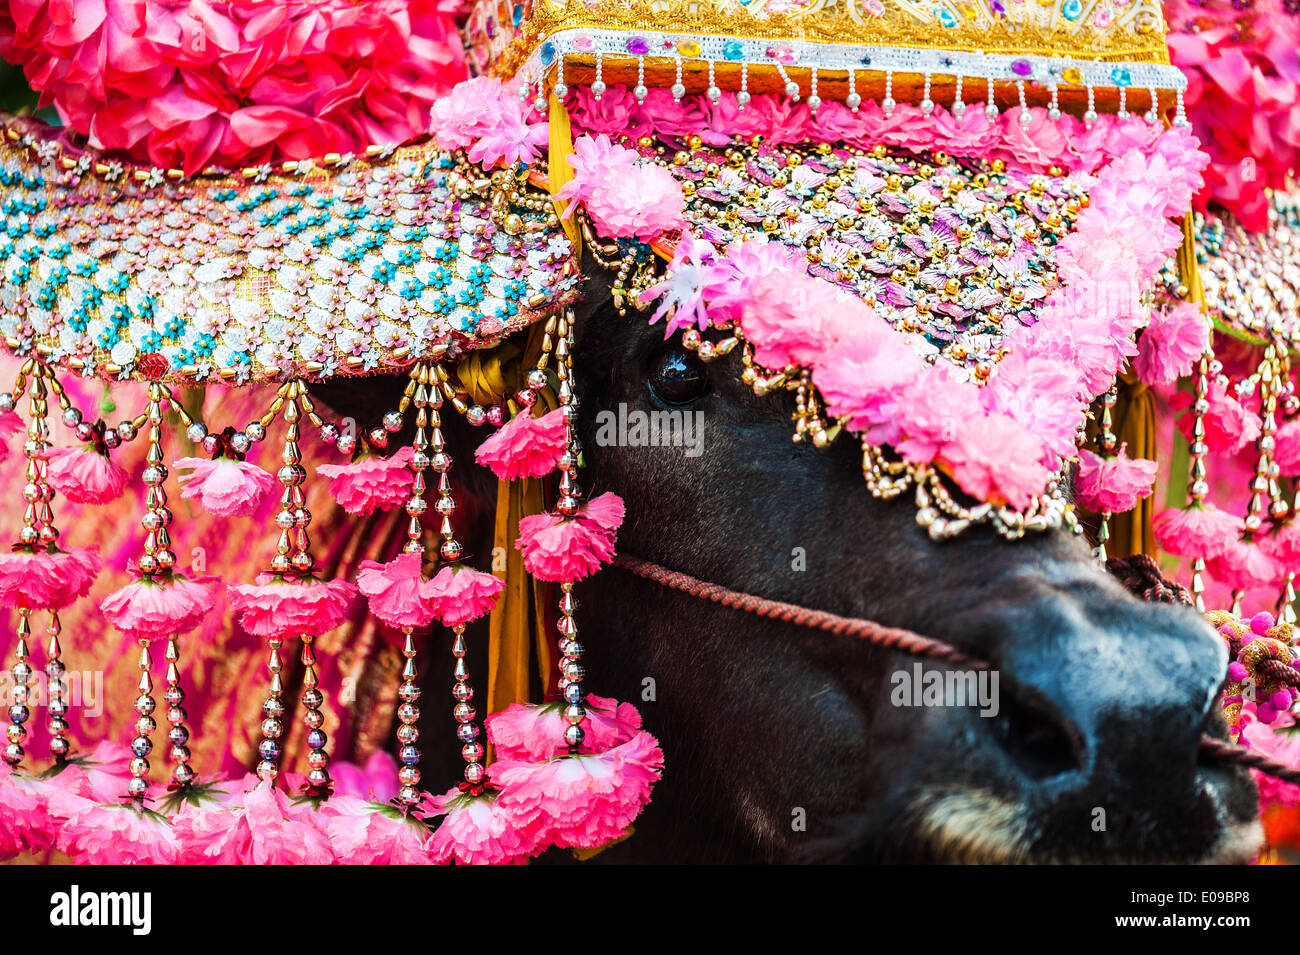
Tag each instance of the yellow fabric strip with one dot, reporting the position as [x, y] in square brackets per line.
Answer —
[559, 172]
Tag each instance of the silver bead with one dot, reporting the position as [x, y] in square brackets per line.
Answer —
[6, 401]
[474, 773]
[640, 92]
[991, 111]
[329, 432]
[393, 421]
[197, 432]
[927, 105]
[888, 104]
[714, 94]
[111, 439]
[239, 441]
[814, 102]
[1026, 118]
[1090, 117]
[255, 431]
[71, 417]
[598, 88]
[347, 443]
[476, 415]
[84, 431]
[853, 101]
[678, 91]
[1054, 113]
[743, 98]
[378, 437]
[560, 90]
[536, 379]
[126, 431]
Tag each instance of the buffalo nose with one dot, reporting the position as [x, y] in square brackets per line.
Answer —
[1106, 696]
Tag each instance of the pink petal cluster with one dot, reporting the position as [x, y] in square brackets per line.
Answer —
[1286, 449]
[275, 607]
[1229, 425]
[259, 827]
[566, 549]
[1198, 531]
[159, 608]
[10, 424]
[461, 594]
[582, 801]
[22, 814]
[1112, 485]
[231, 82]
[47, 579]
[485, 118]
[525, 446]
[527, 732]
[84, 475]
[362, 832]
[399, 594]
[376, 781]
[479, 830]
[224, 486]
[118, 834]
[1244, 565]
[373, 483]
[625, 197]
[1172, 343]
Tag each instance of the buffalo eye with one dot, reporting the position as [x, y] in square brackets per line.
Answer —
[677, 377]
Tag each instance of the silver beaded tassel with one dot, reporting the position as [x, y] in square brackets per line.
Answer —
[571, 668]
[1199, 488]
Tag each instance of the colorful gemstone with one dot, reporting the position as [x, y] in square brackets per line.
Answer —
[1072, 75]
[638, 46]
[517, 15]
[945, 16]
[1022, 67]
[1072, 9]
[874, 8]
[782, 53]
[548, 53]
[998, 7]
[1121, 76]
[733, 50]
[688, 48]
[583, 43]
[1102, 19]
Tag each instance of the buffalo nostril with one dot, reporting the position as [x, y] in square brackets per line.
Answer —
[1037, 738]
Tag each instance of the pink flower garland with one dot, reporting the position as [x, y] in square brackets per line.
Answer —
[533, 733]
[259, 827]
[625, 196]
[479, 830]
[1199, 531]
[1172, 343]
[566, 549]
[231, 83]
[486, 119]
[276, 607]
[399, 594]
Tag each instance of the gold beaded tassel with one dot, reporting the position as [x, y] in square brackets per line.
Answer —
[19, 713]
[1106, 443]
[572, 671]
[1198, 487]
[418, 391]
[1264, 492]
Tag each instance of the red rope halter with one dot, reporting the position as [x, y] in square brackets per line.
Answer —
[893, 638]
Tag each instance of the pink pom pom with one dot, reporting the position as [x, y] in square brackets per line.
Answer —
[524, 446]
[399, 594]
[488, 120]
[84, 475]
[1281, 700]
[371, 484]
[1262, 622]
[276, 607]
[1237, 672]
[1267, 712]
[158, 608]
[47, 580]
[225, 486]
[1171, 344]
[461, 594]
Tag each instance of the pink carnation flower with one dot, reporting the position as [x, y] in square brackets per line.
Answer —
[119, 834]
[461, 594]
[1286, 450]
[582, 801]
[525, 446]
[481, 116]
[523, 731]
[1199, 531]
[158, 608]
[399, 594]
[561, 549]
[1229, 425]
[625, 197]
[1243, 566]
[259, 827]
[786, 317]
[362, 832]
[479, 830]
[22, 815]
[1112, 485]
[10, 423]
[224, 486]
[275, 607]
[84, 475]
[47, 580]
[376, 781]
[1171, 345]
[372, 484]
